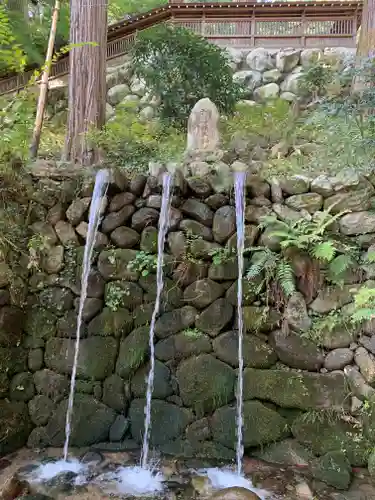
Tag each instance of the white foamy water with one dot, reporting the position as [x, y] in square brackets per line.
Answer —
[226, 478]
[49, 470]
[135, 481]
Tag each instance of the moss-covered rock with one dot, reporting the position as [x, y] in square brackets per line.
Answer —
[215, 317]
[286, 452]
[334, 469]
[323, 432]
[56, 300]
[133, 350]
[113, 323]
[22, 387]
[205, 383]
[261, 425]
[96, 359]
[203, 292]
[168, 421]
[15, 426]
[175, 321]
[190, 342]
[11, 324]
[303, 390]
[40, 323]
[13, 360]
[256, 353]
[162, 381]
[260, 319]
[123, 294]
[114, 394]
[91, 421]
[185, 448]
[114, 264]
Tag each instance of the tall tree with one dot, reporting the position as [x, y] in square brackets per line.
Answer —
[366, 43]
[87, 82]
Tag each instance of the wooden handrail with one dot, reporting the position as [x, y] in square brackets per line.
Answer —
[324, 23]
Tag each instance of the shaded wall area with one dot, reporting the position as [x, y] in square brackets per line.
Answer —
[289, 376]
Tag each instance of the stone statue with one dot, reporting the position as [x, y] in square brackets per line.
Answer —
[203, 132]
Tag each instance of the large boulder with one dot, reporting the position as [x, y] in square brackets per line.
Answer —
[261, 425]
[322, 437]
[111, 323]
[303, 390]
[168, 421]
[96, 359]
[175, 321]
[357, 223]
[90, 424]
[224, 223]
[205, 383]
[203, 292]
[198, 211]
[296, 351]
[260, 60]
[15, 426]
[114, 264]
[133, 350]
[287, 60]
[215, 317]
[190, 342]
[162, 387]
[256, 352]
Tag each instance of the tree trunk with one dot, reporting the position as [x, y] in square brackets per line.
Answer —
[87, 82]
[366, 42]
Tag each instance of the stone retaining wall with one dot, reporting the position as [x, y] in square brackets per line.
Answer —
[289, 380]
[266, 74]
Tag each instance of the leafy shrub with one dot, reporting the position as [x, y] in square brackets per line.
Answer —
[273, 121]
[182, 67]
[130, 144]
[316, 77]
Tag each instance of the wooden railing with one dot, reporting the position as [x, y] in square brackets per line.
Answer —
[233, 24]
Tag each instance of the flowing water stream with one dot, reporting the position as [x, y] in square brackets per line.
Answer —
[100, 189]
[239, 193]
[162, 231]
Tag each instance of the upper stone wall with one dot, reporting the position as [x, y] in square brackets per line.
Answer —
[266, 74]
[288, 376]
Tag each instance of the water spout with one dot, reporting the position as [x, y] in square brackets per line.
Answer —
[239, 193]
[100, 188]
[163, 227]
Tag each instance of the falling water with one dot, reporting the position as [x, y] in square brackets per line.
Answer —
[100, 188]
[239, 192]
[163, 226]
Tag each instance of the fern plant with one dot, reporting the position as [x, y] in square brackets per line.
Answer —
[364, 305]
[270, 267]
[310, 236]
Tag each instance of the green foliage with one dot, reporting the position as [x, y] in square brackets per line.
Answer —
[222, 255]
[325, 326]
[308, 235]
[182, 67]
[12, 57]
[268, 266]
[130, 144]
[364, 305]
[316, 77]
[114, 296]
[273, 121]
[144, 262]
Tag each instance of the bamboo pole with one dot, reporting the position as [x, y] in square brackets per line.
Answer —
[42, 100]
